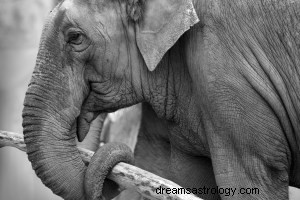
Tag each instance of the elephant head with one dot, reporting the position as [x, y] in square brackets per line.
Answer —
[93, 58]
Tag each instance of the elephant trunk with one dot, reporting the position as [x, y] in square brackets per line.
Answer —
[49, 116]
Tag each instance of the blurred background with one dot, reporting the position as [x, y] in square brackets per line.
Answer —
[21, 23]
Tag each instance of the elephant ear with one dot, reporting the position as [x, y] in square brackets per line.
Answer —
[161, 24]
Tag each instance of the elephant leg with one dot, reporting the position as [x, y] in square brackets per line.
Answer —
[154, 153]
[153, 156]
[158, 157]
[152, 150]
[193, 172]
[249, 149]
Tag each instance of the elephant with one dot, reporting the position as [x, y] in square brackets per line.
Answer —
[153, 152]
[222, 76]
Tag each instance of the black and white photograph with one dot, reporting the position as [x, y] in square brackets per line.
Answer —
[150, 99]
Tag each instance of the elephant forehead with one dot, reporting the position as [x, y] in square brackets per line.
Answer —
[92, 4]
[68, 4]
[71, 6]
[70, 11]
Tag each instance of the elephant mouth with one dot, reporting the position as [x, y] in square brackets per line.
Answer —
[89, 119]
[90, 129]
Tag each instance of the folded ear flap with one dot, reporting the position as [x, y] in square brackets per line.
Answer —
[161, 24]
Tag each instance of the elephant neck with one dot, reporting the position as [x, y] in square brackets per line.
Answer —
[169, 87]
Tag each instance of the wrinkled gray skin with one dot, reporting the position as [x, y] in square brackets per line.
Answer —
[153, 152]
[227, 88]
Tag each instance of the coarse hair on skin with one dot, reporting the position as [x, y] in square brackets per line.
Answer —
[135, 9]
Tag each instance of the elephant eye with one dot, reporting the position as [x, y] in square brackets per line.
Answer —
[75, 38]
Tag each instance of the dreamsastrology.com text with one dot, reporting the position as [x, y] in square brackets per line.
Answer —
[206, 190]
